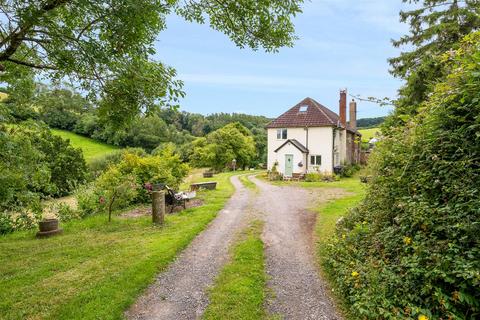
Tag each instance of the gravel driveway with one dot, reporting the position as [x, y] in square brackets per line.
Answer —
[181, 291]
[299, 292]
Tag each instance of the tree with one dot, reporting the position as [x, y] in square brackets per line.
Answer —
[60, 107]
[105, 46]
[218, 149]
[436, 26]
[116, 189]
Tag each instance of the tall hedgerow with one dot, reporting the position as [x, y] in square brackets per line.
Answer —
[411, 250]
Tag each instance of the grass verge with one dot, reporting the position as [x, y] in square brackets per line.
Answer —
[328, 215]
[96, 269]
[246, 182]
[240, 288]
[331, 211]
[91, 148]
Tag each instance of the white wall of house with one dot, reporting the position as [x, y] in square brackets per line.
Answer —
[320, 142]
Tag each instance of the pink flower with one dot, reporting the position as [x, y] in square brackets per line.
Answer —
[148, 186]
[102, 200]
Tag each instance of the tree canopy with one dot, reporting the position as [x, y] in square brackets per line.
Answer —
[106, 46]
[436, 26]
[219, 148]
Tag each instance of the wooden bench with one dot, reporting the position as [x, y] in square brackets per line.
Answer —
[203, 185]
[208, 174]
[298, 176]
[294, 177]
[174, 199]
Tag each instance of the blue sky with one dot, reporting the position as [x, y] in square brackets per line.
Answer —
[343, 44]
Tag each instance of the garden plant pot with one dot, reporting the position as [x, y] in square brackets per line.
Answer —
[48, 228]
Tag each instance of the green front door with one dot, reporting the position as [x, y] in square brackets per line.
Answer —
[288, 165]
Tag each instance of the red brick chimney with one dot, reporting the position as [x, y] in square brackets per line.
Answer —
[343, 107]
[353, 114]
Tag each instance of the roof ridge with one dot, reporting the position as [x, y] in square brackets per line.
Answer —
[321, 109]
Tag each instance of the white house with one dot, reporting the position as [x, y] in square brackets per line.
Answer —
[311, 138]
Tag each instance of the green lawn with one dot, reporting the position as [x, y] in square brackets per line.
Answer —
[331, 211]
[367, 134]
[90, 147]
[96, 269]
[246, 182]
[240, 289]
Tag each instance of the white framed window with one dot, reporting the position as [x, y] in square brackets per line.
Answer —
[315, 160]
[282, 134]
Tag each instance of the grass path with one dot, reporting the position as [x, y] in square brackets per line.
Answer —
[91, 148]
[96, 269]
[240, 289]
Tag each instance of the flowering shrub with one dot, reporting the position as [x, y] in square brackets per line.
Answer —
[115, 190]
[411, 250]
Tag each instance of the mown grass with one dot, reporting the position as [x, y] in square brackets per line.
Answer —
[328, 215]
[91, 148]
[240, 289]
[95, 269]
[331, 211]
[368, 134]
[246, 181]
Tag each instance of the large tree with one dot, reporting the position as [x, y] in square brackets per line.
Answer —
[219, 148]
[105, 46]
[436, 26]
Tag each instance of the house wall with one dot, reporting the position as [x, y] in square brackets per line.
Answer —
[320, 142]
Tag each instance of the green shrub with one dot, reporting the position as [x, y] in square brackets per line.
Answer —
[412, 248]
[20, 218]
[348, 171]
[318, 176]
[66, 213]
[313, 177]
[34, 165]
[88, 201]
[115, 189]
[164, 168]
[101, 164]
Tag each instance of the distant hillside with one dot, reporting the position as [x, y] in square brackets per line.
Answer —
[369, 133]
[91, 148]
[370, 122]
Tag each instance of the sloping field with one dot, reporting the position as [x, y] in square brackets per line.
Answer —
[369, 133]
[91, 148]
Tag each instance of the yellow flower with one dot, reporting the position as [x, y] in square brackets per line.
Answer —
[422, 317]
[407, 240]
[355, 274]
[343, 236]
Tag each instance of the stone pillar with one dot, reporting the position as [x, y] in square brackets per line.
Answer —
[158, 207]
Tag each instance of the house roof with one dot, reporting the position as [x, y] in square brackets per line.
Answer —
[314, 115]
[296, 144]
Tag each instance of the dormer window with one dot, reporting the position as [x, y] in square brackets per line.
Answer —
[303, 108]
[282, 134]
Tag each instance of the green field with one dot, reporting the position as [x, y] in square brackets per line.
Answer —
[96, 269]
[91, 148]
[369, 133]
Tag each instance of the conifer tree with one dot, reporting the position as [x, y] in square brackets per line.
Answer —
[436, 26]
